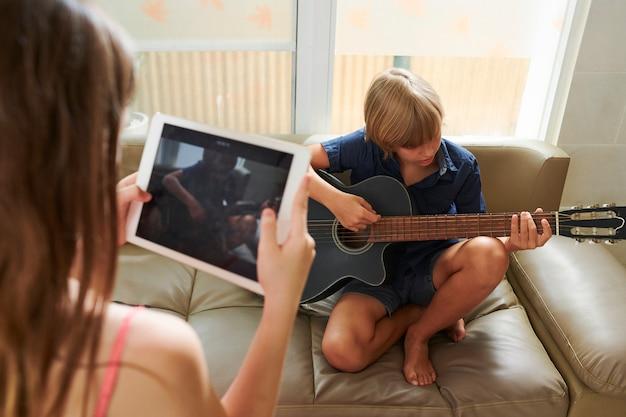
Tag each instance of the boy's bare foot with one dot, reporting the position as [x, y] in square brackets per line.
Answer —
[418, 370]
[456, 332]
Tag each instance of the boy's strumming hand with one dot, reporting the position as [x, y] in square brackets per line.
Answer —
[524, 234]
[353, 212]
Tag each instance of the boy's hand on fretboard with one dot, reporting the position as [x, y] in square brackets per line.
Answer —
[524, 234]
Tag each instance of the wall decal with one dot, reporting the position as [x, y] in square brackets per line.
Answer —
[262, 17]
[155, 9]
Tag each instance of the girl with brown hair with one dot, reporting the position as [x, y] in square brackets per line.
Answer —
[65, 79]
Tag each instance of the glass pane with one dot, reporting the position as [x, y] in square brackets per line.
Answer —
[227, 64]
[243, 90]
[491, 61]
[150, 21]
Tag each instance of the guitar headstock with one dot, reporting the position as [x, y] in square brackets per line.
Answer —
[596, 223]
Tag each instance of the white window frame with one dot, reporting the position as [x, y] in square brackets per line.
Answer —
[315, 55]
[576, 20]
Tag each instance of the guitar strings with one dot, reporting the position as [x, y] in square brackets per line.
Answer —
[441, 222]
[434, 228]
[430, 226]
[448, 217]
[436, 222]
[463, 224]
[348, 236]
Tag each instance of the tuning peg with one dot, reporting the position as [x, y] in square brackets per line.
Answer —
[594, 241]
[608, 205]
[576, 207]
[592, 206]
[610, 242]
[579, 240]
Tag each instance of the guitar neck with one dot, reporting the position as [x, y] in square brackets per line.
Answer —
[441, 227]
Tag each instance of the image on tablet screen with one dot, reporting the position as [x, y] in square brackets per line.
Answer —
[207, 196]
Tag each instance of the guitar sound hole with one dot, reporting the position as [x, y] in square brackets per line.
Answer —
[353, 240]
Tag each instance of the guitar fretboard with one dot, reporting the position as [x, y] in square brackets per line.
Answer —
[441, 227]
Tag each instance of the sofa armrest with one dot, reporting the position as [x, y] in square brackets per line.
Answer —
[578, 292]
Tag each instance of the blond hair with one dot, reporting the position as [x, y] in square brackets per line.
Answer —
[401, 110]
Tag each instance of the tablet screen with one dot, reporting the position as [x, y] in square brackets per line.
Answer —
[207, 196]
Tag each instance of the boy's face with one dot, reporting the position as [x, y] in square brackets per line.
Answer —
[423, 155]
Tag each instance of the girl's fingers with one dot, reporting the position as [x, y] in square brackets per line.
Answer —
[127, 180]
[132, 193]
[125, 196]
[299, 209]
[267, 243]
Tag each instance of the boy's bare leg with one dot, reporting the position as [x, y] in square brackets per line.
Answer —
[359, 331]
[464, 275]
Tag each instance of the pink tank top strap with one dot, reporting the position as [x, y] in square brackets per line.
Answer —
[110, 374]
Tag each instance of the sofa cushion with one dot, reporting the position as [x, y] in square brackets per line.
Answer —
[381, 385]
[579, 291]
[226, 334]
[212, 293]
[499, 369]
[153, 280]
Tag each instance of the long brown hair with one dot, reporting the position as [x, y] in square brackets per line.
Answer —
[65, 78]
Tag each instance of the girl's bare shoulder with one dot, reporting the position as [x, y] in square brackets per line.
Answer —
[162, 367]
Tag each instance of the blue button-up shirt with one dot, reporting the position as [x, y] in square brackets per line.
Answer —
[454, 188]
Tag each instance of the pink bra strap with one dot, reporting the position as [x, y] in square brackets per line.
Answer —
[110, 375]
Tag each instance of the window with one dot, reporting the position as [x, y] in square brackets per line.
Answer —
[225, 63]
[278, 66]
[491, 61]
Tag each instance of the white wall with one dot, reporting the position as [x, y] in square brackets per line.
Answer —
[594, 126]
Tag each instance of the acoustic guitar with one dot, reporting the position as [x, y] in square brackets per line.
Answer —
[343, 254]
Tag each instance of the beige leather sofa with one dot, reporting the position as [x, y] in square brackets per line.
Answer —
[569, 359]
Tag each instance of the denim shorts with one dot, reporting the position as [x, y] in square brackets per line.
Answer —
[409, 285]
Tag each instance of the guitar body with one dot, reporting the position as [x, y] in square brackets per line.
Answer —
[335, 263]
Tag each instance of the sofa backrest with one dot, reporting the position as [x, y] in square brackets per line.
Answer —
[520, 174]
[516, 174]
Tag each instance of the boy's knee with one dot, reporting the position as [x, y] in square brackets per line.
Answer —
[343, 352]
[490, 259]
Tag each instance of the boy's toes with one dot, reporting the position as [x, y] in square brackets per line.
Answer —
[427, 376]
[411, 377]
[433, 377]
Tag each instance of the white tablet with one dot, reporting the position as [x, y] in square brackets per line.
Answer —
[208, 189]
